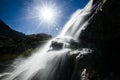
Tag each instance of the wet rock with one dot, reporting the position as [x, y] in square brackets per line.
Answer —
[102, 33]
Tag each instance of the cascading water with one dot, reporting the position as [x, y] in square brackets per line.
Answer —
[51, 62]
[79, 20]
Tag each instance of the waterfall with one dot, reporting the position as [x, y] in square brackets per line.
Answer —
[51, 61]
[79, 20]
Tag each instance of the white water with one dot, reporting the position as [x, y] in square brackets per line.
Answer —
[78, 21]
[44, 64]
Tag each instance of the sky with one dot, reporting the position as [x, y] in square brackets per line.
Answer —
[24, 15]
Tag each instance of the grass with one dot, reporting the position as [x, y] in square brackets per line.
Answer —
[11, 56]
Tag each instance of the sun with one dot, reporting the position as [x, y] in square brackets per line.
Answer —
[47, 14]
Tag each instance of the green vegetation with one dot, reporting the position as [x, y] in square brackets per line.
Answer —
[11, 49]
[14, 44]
[9, 57]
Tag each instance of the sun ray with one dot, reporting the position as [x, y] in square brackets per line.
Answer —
[38, 26]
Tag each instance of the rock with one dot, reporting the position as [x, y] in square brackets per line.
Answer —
[102, 34]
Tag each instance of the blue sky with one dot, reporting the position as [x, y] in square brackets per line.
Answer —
[21, 15]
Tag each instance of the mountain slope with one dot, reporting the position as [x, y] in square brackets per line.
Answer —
[5, 30]
[14, 43]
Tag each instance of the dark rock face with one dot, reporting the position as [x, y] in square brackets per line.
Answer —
[61, 43]
[103, 34]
